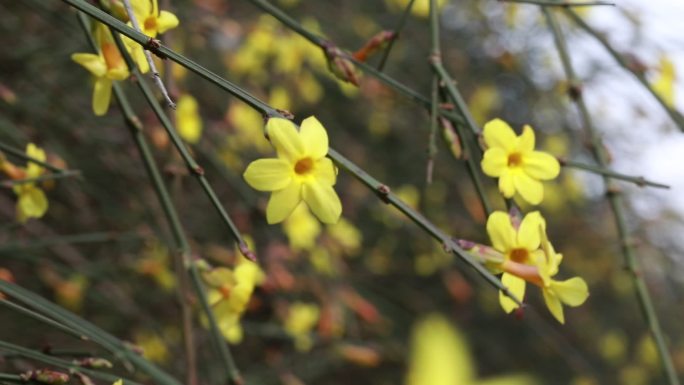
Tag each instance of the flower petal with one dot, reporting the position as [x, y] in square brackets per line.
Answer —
[494, 162]
[572, 292]
[554, 305]
[498, 133]
[526, 139]
[500, 231]
[516, 286]
[314, 137]
[325, 171]
[32, 202]
[95, 64]
[285, 138]
[323, 201]
[166, 21]
[529, 236]
[506, 185]
[283, 202]
[102, 93]
[530, 189]
[540, 165]
[268, 174]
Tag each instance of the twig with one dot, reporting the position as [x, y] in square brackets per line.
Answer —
[616, 204]
[397, 30]
[60, 175]
[182, 244]
[82, 326]
[381, 189]
[20, 154]
[448, 83]
[46, 320]
[627, 64]
[153, 67]
[637, 180]
[68, 239]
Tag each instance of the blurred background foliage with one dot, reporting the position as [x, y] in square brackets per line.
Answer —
[337, 303]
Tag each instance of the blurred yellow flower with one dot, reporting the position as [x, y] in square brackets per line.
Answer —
[301, 319]
[440, 356]
[32, 202]
[519, 245]
[229, 293]
[188, 119]
[302, 228]
[107, 66]
[421, 8]
[301, 171]
[513, 160]
[664, 84]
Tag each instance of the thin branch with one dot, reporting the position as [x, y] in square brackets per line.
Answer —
[135, 127]
[616, 204]
[448, 83]
[397, 31]
[44, 177]
[68, 239]
[153, 67]
[628, 65]
[20, 154]
[637, 180]
[120, 350]
[41, 318]
[381, 189]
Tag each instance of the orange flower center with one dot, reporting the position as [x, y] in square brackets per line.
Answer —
[225, 291]
[151, 24]
[519, 255]
[304, 166]
[514, 159]
[112, 56]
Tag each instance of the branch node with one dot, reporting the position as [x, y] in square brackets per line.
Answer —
[246, 252]
[383, 192]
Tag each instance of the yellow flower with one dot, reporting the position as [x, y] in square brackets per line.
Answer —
[301, 318]
[229, 293]
[107, 65]
[440, 356]
[519, 245]
[301, 171]
[572, 292]
[664, 84]
[513, 160]
[302, 228]
[188, 120]
[151, 20]
[31, 202]
[421, 8]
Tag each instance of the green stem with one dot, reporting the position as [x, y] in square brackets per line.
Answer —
[193, 167]
[323, 43]
[60, 363]
[39, 317]
[397, 31]
[20, 154]
[87, 329]
[616, 204]
[637, 180]
[455, 95]
[68, 239]
[135, 127]
[675, 115]
[271, 112]
[60, 175]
